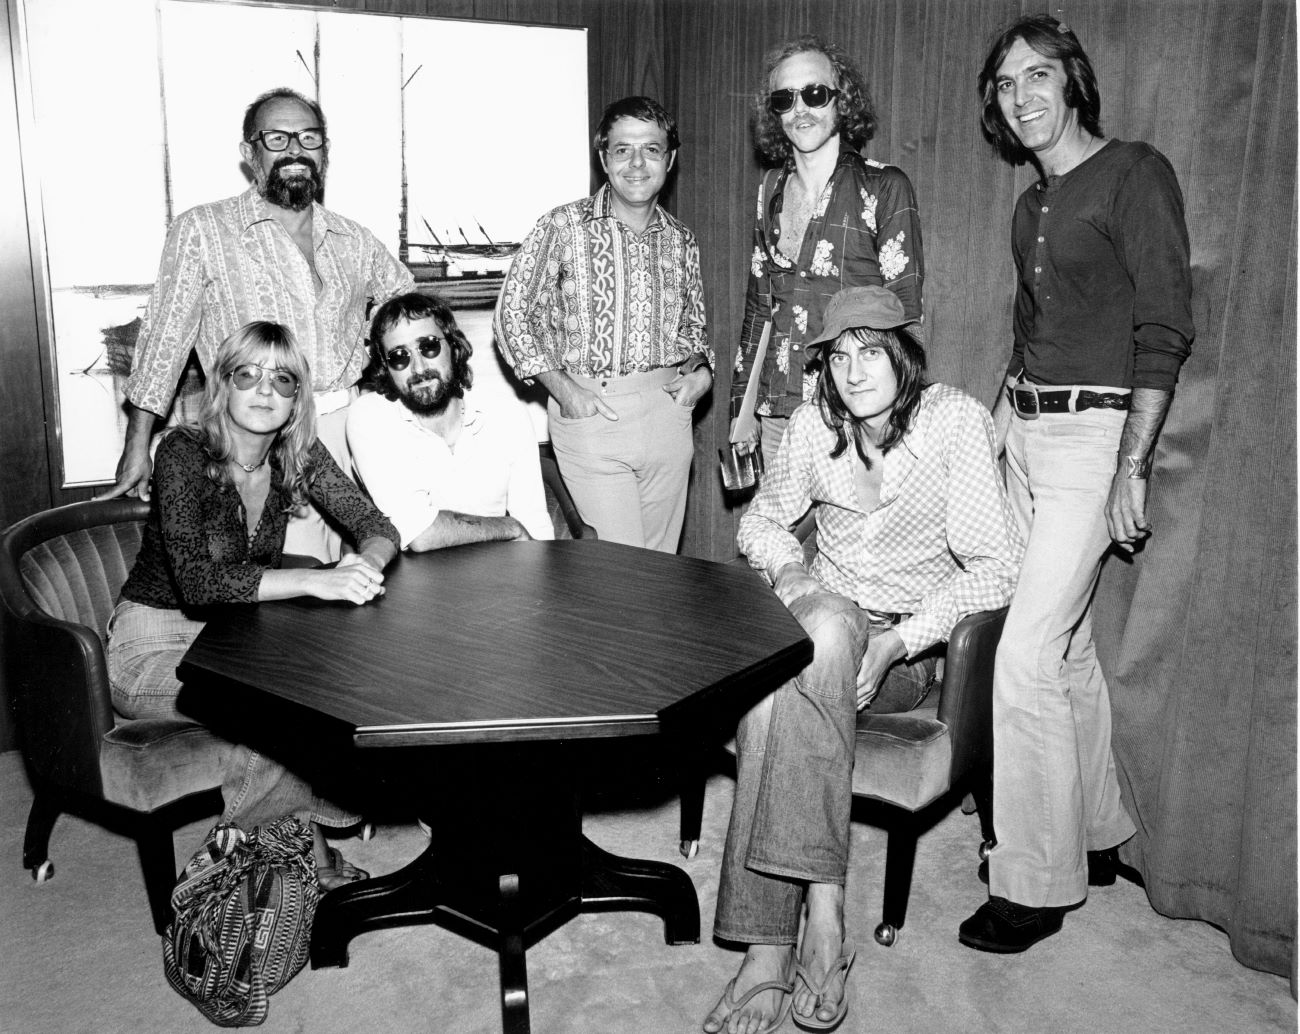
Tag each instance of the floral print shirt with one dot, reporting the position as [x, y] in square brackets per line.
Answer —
[942, 541]
[588, 295]
[196, 549]
[865, 230]
[229, 262]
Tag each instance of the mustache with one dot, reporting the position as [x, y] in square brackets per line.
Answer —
[302, 159]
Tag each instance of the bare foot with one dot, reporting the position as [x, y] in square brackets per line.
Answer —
[763, 963]
[823, 941]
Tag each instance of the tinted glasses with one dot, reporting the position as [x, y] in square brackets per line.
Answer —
[250, 375]
[278, 139]
[815, 95]
[399, 358]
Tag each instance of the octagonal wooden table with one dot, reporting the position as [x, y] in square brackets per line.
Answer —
[480, 671]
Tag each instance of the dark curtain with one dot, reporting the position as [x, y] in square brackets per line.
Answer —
[1198, 631]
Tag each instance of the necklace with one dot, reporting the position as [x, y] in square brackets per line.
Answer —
[248, 468]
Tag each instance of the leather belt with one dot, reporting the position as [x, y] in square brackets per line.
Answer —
[1029, 400]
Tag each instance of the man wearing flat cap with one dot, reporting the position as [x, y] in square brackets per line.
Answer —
[913, 533]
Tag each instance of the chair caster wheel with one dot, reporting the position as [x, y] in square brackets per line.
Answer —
[689, 848]
[367, 831]
[44, 872]
[986, 848]
[886, 935]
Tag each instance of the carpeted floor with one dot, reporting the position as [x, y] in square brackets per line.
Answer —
[80, 955]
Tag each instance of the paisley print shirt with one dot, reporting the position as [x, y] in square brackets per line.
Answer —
[588, 295]
[196, 549]
[229, 262]
[865, 230]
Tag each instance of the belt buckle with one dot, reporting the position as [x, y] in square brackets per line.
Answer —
[1025, 395]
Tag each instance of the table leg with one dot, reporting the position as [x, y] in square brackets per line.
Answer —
[610, 882]
[514, 965]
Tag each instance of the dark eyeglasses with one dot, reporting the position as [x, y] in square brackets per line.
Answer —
[312, 139]
[400, 357]
[250, 375]
[815, 95]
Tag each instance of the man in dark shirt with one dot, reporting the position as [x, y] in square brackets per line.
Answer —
[827, 219]
[1102, 325]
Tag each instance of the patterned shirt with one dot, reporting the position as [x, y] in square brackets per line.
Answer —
[942, 541]
[865, 230]
[229, 262]
[196, 549]
[588, 295]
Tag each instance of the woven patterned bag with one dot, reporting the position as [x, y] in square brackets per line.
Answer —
[242, 928]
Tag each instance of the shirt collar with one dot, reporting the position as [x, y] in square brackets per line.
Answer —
[253, 209]
[471, 419]
[602, 207]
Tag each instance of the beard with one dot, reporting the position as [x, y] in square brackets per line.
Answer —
[428, 397]
[292, 192]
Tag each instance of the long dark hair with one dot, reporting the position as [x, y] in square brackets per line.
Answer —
[857, 113]
[409, 308]
[906, 358]
[1049, 37]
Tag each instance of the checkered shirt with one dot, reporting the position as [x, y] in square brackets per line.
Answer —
[941, 543]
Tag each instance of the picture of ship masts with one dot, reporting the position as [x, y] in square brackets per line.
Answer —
[464, 273]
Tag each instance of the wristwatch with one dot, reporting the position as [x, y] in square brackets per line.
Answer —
[1138, 467]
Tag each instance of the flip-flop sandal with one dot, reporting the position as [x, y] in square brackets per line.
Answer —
[339, 872]
[819, 989]
[785, 987]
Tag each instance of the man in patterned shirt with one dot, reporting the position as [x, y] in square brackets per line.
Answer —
[913, 533]
[604, 305]
[827, 219]
[272, 253]
[1102, 324]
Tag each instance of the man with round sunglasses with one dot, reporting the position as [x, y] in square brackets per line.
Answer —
[272, 253]
[444, 471]
[827, 219]
[604, 306]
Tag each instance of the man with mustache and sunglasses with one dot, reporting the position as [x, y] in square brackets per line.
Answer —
[442, 470]
[272, 253]
[827, 219]
[604, 306]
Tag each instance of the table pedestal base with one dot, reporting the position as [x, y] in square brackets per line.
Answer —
[505, 868]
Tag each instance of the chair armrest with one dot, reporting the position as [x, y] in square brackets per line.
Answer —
[58, 681]
[966, 701]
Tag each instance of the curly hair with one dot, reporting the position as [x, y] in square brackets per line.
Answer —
[856, 111]
[906, 358]
[1051, 38]
[270, 345]
[408, 308]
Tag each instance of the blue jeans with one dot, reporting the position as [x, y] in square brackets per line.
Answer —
[1055, 794]
[145, 644]
[794, 775]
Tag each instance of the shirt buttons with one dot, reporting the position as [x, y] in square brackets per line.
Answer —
[1038, 269]
[1040, 240]
[1046, 209]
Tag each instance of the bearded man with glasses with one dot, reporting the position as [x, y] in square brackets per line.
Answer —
[271, 253]
[827, 219]
[442, 470]
[604, 306]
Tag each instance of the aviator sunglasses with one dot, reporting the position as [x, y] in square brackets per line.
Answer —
[400, 357]
[815, 95]
[250, 375]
